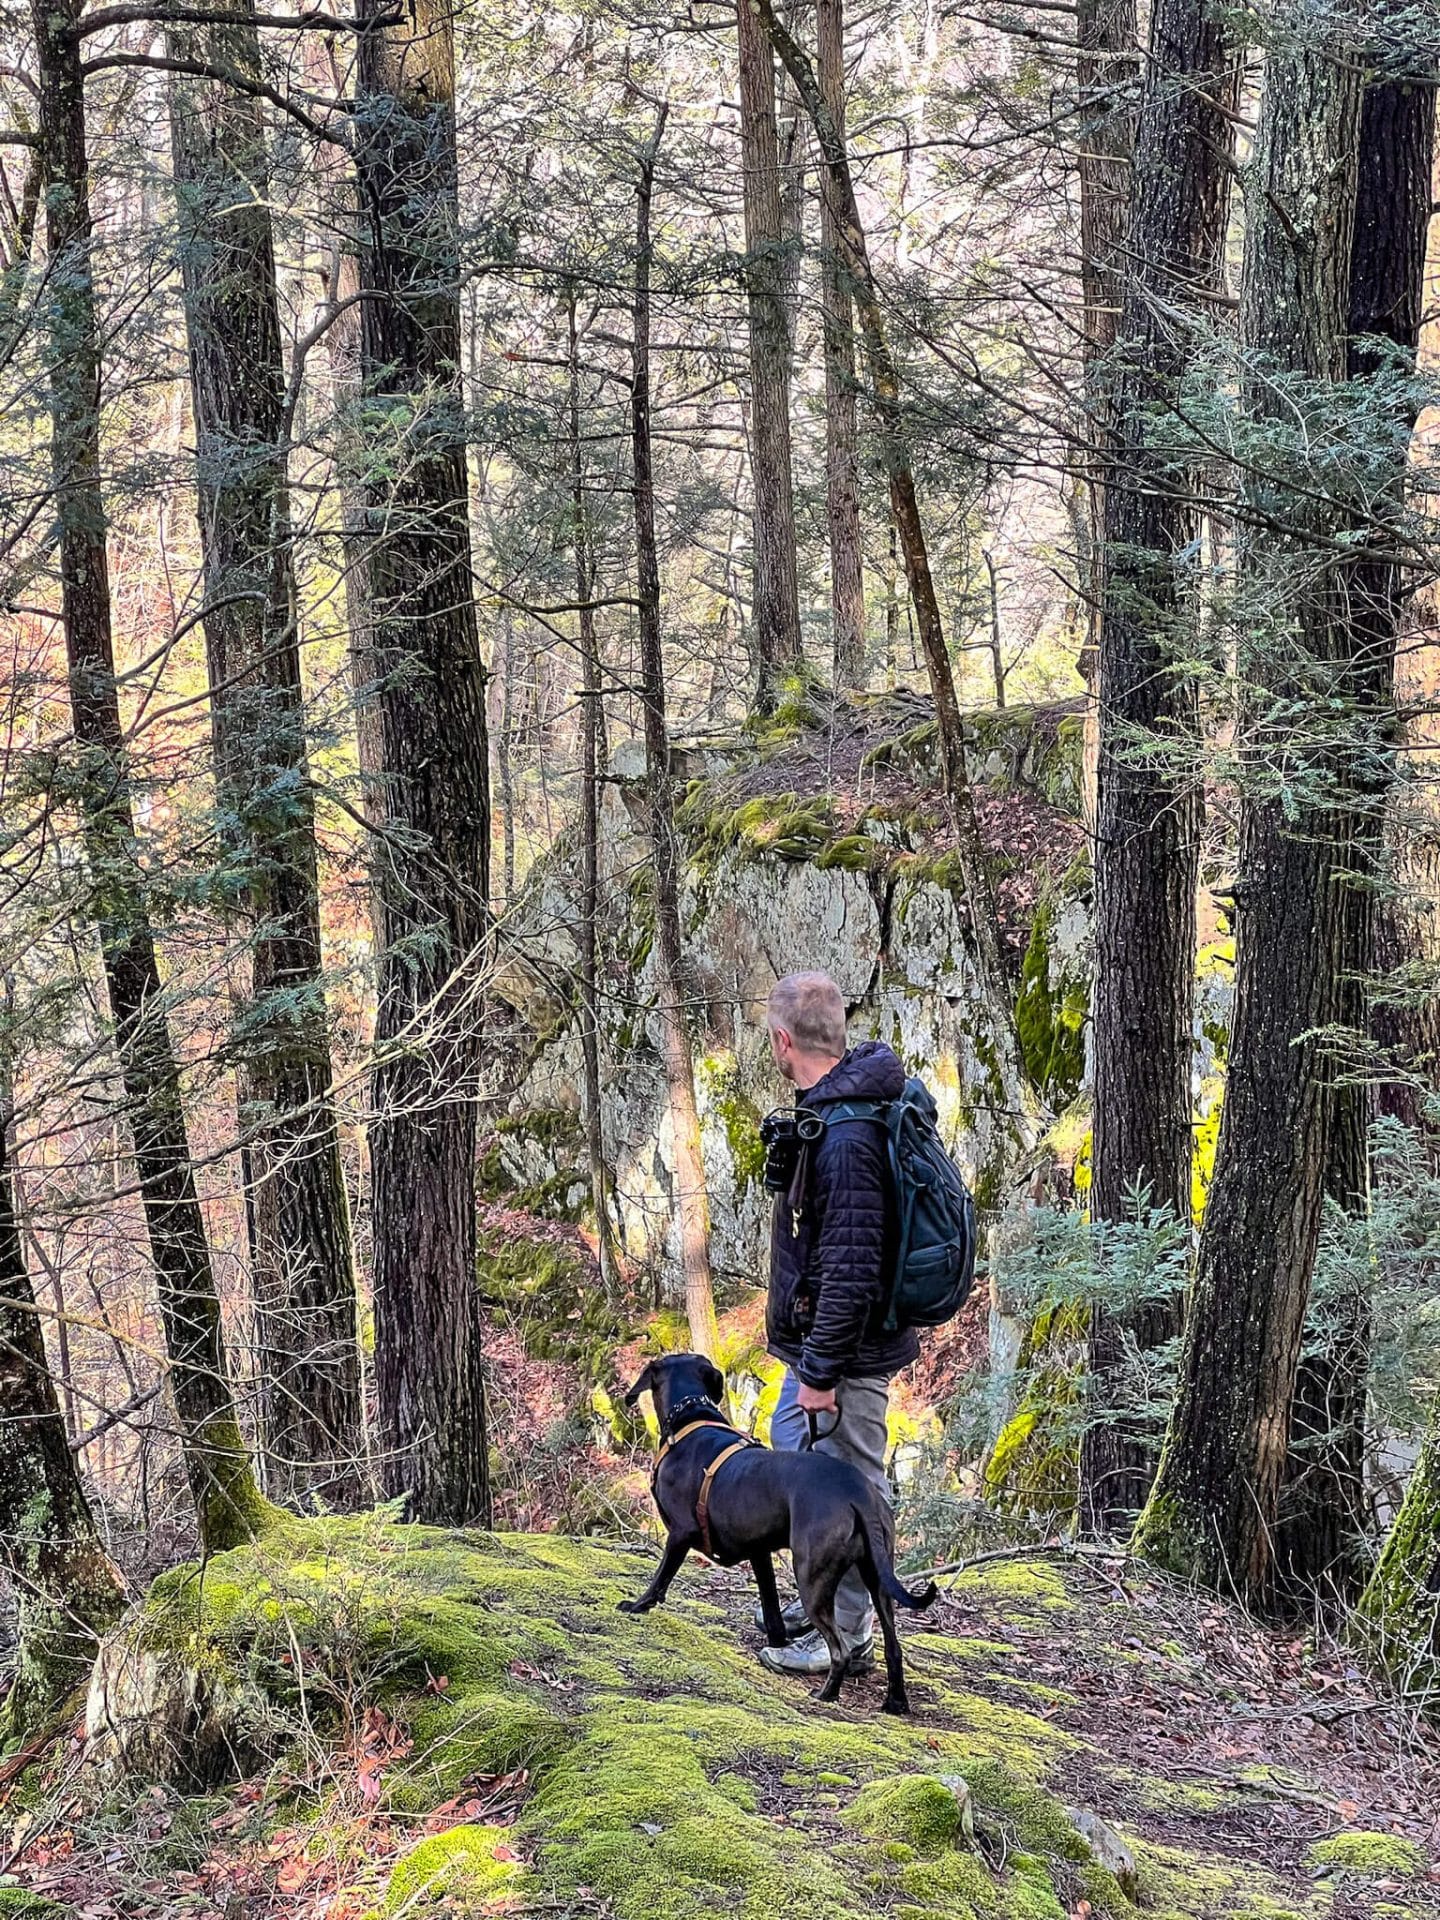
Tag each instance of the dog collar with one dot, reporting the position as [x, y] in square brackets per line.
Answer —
[680, 1433]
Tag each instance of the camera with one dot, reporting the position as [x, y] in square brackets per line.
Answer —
[785, 1132]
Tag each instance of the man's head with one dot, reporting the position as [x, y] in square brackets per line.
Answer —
[806, 1017]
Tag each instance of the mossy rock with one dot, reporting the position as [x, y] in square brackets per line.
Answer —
[463, 1867]
[17, 1903]
[924, 1811]
[1369, 1853]
[652, 1746]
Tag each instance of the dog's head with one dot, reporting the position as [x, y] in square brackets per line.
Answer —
[674, 1379]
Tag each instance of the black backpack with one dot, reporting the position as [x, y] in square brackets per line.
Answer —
[935, 1250]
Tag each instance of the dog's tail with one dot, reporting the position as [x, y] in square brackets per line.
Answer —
[880, 1549]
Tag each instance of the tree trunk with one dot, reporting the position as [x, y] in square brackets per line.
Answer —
[1212, 1513]
[692, 1201]
[905, 507]
[842, 456]
[776, 605]
[227, 1500]
[1106, 76]
[432, 884]
[66, 1591]
[1150, 797]
[592, 695]
[301, 1270]
[338, 207]
[1320, 1537]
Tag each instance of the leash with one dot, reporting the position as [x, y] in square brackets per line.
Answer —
[812, 1420]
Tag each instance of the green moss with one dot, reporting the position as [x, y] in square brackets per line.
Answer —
[957, 1880]
[919, 748]
[916, 1808]
[737, 1114]
[455, 1867]
[652, 1744]
[1050, 1018]
[544, 1290]
[794, 708]
[855, 852]
[1034, 1464]
[17, 1903]
[1377, 1853]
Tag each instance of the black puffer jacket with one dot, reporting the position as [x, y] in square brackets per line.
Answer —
[833, 1238]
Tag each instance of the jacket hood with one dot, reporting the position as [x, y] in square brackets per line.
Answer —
[871, 1071]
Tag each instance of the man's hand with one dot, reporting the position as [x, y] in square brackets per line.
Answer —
[816, 1399]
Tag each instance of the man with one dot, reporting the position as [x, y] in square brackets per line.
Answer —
[831, 1248]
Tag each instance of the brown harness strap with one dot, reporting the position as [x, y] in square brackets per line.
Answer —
[679, 1434]
[702, 1504]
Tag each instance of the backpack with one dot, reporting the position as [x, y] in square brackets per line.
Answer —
[935, 1253]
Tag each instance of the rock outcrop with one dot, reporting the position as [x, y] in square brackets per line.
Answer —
[822, 849]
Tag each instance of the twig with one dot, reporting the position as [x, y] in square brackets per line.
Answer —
[1062, 1549]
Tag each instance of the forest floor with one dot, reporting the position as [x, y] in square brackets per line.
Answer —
[478, 1731]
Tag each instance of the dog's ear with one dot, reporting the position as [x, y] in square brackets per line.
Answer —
[645, 1384]
[714, 1382]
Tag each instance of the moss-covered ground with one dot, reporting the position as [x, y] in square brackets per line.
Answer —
[441, 1721]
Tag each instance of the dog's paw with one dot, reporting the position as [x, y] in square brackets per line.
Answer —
[892, 1704]
[632, 1606]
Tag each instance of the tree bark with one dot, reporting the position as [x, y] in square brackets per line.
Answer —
[1106, 76]
[66, 1590]
[432, 879]
[227, 1500]
[1212, 1513]
[338, 208]
[592, 695]
[301, 1266]
[905, 507]
[1150, 796]
[692, 1201]
[842, 455]
[776, 602]
[1321, 1529]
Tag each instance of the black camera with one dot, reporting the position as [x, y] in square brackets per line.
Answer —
[785, 1132]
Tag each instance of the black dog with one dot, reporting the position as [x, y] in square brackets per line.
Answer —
[757, 1502]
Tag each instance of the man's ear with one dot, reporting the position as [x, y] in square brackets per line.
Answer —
[645, 1384]
[715, 1383]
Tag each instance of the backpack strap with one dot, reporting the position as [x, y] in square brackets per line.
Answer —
[834, 1111]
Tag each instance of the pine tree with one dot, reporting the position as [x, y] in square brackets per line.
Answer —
[692, 1203]
[227, 1500]
[1212, 1511]
[302, 1276]
[66, 1590]
[432, 864]
[1147, 837]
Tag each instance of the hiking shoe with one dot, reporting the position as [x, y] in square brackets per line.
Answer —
[794, 1616]
[809, 1657]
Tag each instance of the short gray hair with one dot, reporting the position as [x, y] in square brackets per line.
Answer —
[811, 1009]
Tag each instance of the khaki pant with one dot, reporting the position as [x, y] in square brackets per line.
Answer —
[861, 1438]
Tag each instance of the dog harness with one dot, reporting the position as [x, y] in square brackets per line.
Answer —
[702, 1501]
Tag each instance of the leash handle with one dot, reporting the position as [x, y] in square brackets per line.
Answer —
[812, 1420]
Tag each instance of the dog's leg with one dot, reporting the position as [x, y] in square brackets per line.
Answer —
[817, 1589]
[670, 1564]
[896, 1699]
[763, 1567]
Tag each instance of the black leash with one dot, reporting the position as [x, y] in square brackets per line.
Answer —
[812, 1420]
